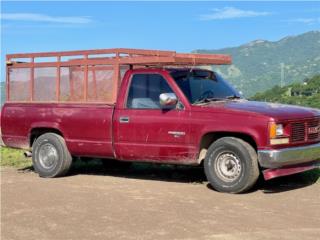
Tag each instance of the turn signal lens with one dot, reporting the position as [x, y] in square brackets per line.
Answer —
[276, 130]
[272, 130]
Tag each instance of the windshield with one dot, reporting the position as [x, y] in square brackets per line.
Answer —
[201, 86]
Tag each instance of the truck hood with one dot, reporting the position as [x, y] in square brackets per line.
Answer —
[273, 110]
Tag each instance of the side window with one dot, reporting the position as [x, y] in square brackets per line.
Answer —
[145, 90]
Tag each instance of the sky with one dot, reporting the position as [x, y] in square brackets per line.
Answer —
[182, 26]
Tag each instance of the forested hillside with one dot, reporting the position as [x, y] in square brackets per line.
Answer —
[304, 94]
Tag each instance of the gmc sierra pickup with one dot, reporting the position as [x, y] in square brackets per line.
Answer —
[152, 106]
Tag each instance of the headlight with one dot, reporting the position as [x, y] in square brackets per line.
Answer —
[279, 129]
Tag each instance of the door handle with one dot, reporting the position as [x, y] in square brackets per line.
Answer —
[124, 119]
[177, 134]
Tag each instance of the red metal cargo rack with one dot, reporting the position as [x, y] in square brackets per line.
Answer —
[90, 76]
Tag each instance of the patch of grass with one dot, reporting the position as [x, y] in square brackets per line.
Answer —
[11, 157]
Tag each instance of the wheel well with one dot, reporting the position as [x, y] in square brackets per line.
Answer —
[36, 132]
[209, 138]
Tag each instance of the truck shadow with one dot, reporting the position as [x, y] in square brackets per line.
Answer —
[187, 174]
[146, 171]
[288, 183]
[183, 174]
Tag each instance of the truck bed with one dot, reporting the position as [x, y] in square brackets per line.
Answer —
[87, 129]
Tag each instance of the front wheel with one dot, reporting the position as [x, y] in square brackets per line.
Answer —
[231, 165]
[50, 156]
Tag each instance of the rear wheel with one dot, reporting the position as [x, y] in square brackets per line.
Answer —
[50, 156]
[231, 165]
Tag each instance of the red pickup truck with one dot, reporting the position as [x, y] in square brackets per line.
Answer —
[151, 106]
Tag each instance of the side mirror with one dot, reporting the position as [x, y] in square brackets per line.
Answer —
[168, 99]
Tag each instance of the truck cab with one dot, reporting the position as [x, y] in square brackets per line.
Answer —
[152, 106]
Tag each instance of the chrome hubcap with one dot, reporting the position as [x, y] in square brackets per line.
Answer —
[228, 167]
[48, 156]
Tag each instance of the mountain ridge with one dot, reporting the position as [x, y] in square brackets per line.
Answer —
[261, 64]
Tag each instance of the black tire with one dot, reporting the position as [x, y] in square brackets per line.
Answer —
[231, 165]
[50, 156]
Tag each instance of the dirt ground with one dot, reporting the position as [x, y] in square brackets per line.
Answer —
[152, 203]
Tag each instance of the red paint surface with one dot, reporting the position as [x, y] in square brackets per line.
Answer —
[95, 130]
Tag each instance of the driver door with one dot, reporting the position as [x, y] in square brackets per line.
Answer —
[147, 132]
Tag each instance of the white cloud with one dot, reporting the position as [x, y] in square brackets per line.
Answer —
[305, 20]
[34, 17]
[231, 12]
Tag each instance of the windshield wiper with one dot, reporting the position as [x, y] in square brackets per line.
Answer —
[233, 97]
[207, 100]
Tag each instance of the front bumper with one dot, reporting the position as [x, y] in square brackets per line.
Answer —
[289, 156]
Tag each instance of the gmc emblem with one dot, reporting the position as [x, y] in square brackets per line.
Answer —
[313, 130]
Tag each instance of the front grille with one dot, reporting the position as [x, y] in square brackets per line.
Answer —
[300, 131]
